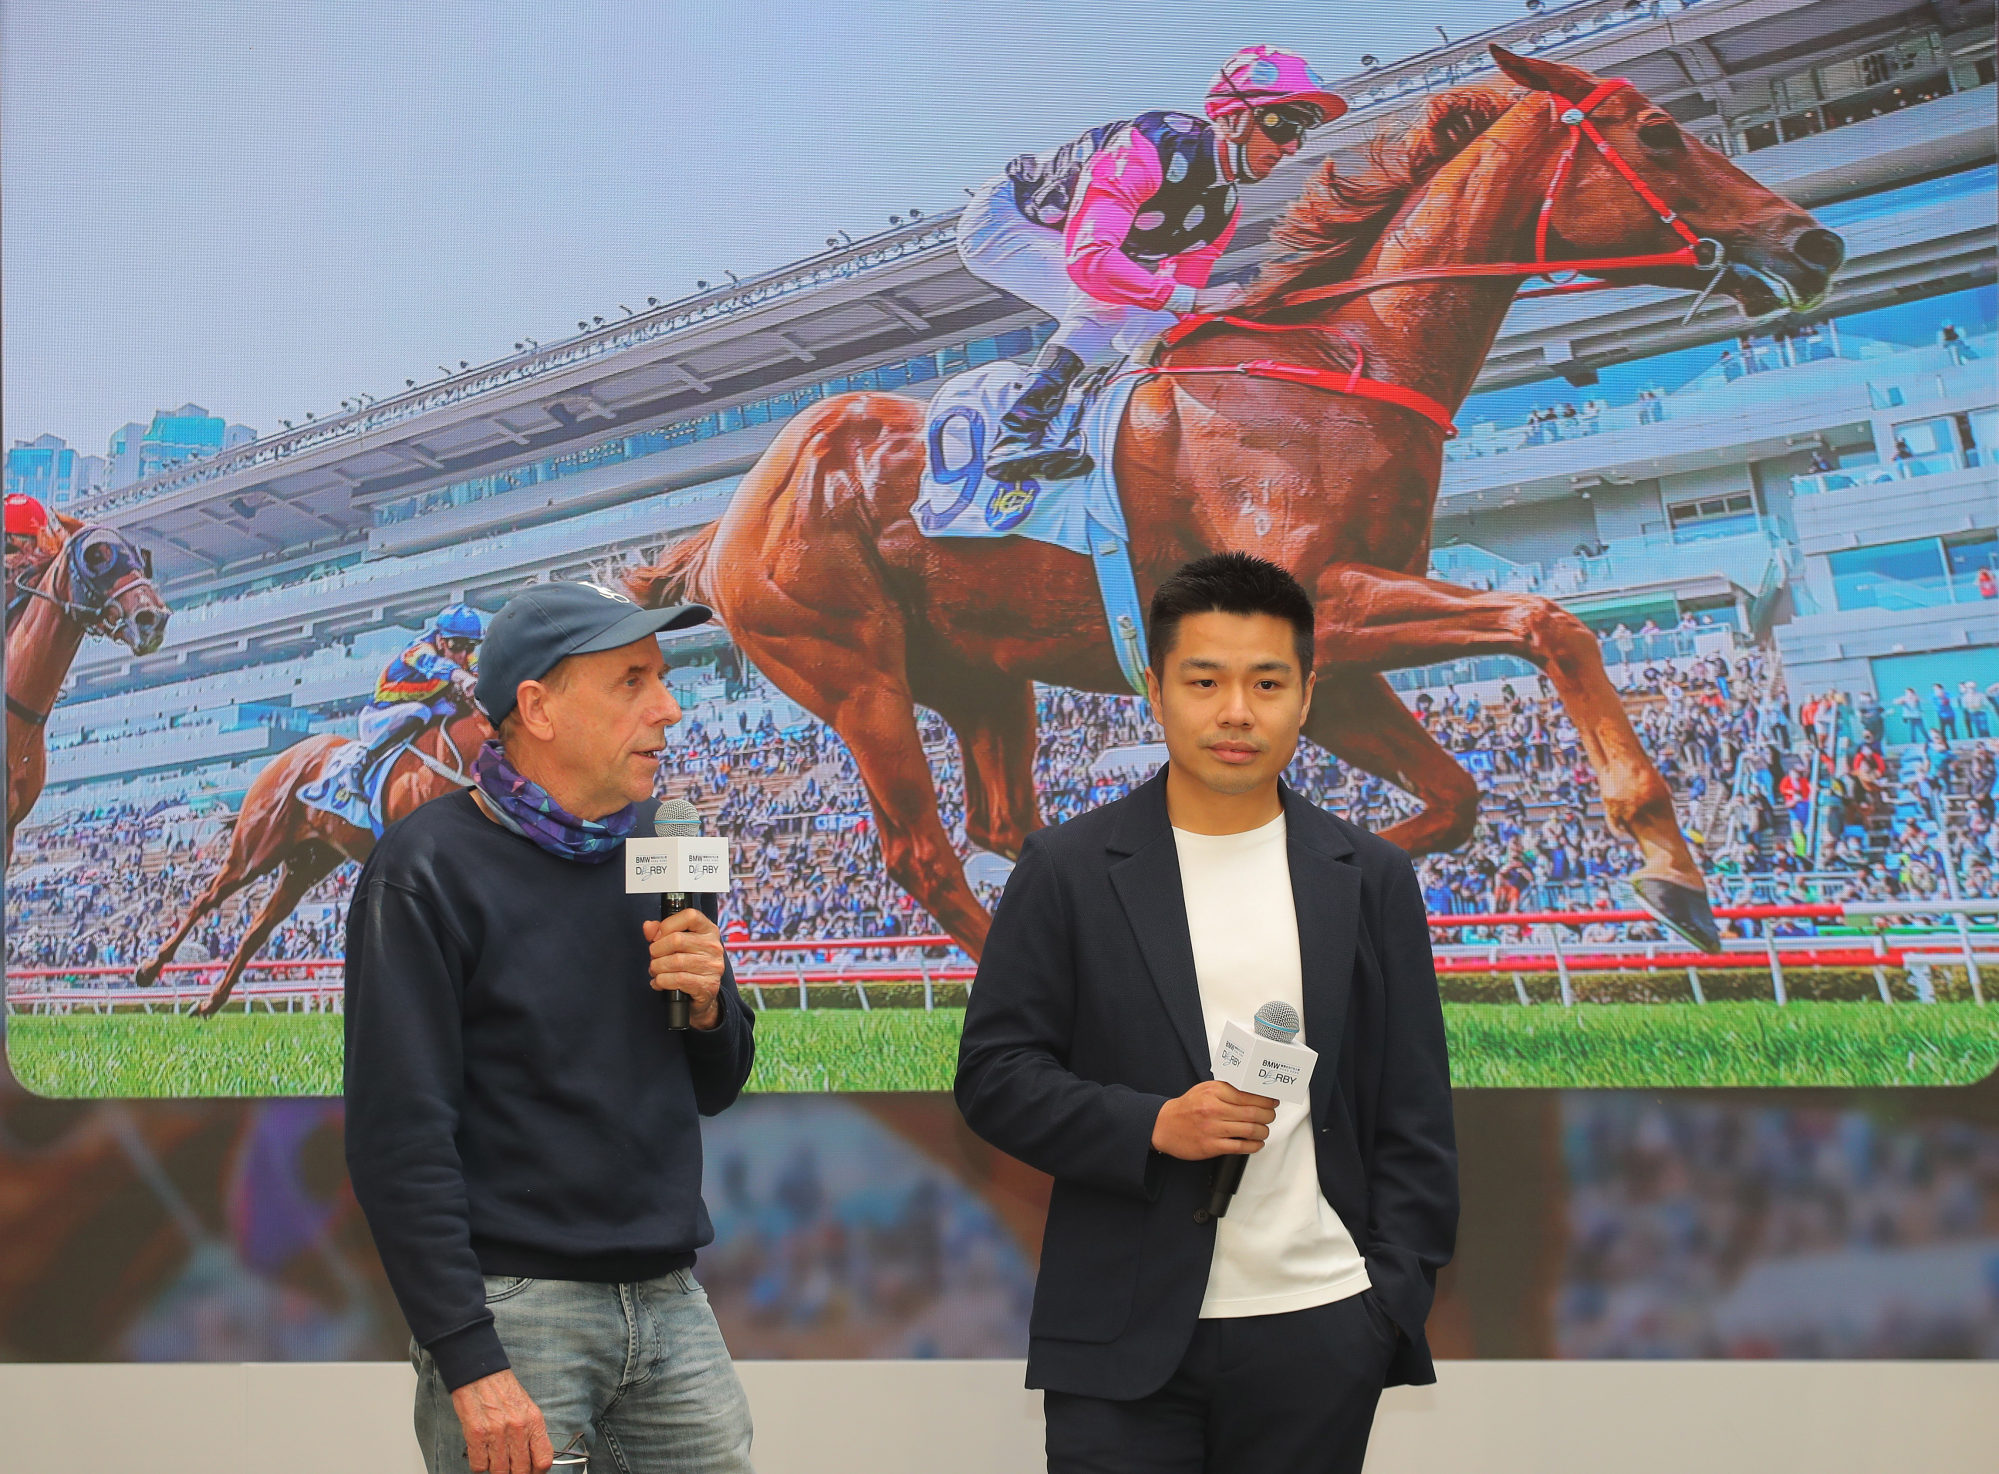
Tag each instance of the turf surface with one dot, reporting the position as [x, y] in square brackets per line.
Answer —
[1595, 1045]
[166, 1054]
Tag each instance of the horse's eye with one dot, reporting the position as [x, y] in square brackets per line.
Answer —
[1659, 133]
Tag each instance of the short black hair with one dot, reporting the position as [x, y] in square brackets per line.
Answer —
[1229, 583]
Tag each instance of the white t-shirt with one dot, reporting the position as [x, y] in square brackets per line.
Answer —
[1281, 1246]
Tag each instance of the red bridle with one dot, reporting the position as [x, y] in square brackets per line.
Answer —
[1698, 252]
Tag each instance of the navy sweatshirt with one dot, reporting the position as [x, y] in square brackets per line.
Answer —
[515, 1102]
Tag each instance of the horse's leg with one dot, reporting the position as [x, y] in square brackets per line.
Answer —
[860, 691]
[243, 865]
[995, 722]
[306, 867]
[1379, 620]
[1357, 717]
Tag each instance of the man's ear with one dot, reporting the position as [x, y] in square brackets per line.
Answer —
[1537, 74]
[531, 707]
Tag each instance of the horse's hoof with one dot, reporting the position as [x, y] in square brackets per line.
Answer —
[1682, 909]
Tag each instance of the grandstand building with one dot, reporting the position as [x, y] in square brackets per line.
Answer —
[1829, 490]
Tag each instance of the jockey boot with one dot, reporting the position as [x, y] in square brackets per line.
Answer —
[355, 780]
[1022, 452]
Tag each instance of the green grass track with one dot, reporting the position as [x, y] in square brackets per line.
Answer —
[1596, 1045]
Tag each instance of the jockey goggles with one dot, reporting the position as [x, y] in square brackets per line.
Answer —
[1288, 122]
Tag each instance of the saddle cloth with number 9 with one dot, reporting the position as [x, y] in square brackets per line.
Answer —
[959, 500]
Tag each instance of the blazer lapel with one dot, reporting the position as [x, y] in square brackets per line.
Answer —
[1325, 892]
[1147, 882]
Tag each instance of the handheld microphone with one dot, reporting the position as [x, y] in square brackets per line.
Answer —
[677, 819]
[1277, 1021]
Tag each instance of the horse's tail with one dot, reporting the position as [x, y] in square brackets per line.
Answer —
[677, 578]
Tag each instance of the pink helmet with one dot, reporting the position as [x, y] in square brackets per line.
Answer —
[1260, 76]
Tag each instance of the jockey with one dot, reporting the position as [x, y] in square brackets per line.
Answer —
[428, 682]
[28, 550]
[1115, 233]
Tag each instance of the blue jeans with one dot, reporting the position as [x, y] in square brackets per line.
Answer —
[639, 1369]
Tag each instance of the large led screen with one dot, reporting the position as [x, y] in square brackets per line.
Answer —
[1617, 375]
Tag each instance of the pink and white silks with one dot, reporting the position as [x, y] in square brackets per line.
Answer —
[1103, 299]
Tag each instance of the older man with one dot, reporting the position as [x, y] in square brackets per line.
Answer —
[522, 1123]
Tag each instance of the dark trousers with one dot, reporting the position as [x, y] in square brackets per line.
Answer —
[1264, 1393]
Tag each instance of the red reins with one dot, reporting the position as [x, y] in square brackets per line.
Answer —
[1354, 383]
[1700, 253]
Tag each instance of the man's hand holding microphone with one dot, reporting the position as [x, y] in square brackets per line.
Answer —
[687, 957]
[686, 946]
[1214, 1119]
[1220, 1121]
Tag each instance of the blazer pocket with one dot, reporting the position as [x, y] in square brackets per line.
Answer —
[1089, 1265]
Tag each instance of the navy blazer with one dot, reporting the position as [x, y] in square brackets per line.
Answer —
[1085, 1018]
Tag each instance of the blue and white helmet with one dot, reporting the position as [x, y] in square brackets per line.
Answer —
[459, 622]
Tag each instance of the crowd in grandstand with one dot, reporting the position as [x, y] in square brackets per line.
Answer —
[1781, 800]
[1685, 1220]
[103, 889]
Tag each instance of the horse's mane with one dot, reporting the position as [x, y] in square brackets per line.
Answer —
[57, 532]
[1338, 217]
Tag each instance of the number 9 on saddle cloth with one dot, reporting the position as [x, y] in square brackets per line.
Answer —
[1084, 514]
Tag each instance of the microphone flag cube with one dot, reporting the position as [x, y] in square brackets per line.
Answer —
[1264, 1066]
[682, 864]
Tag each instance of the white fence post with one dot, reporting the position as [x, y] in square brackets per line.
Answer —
[1970, 961]
[1919, 974]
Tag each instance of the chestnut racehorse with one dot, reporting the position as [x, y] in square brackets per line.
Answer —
[821, 576]
[274, 831]
[97, 583]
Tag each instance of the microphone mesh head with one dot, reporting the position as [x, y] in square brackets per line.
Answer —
[677, 819]
[1278, 1021]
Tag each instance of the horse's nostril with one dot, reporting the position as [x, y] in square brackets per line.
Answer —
[1820, 248]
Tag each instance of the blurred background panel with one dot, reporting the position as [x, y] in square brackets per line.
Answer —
[1597, 1224]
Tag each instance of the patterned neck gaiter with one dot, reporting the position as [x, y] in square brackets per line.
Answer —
[525, 807]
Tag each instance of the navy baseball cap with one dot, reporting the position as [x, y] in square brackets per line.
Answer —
[552, 621]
